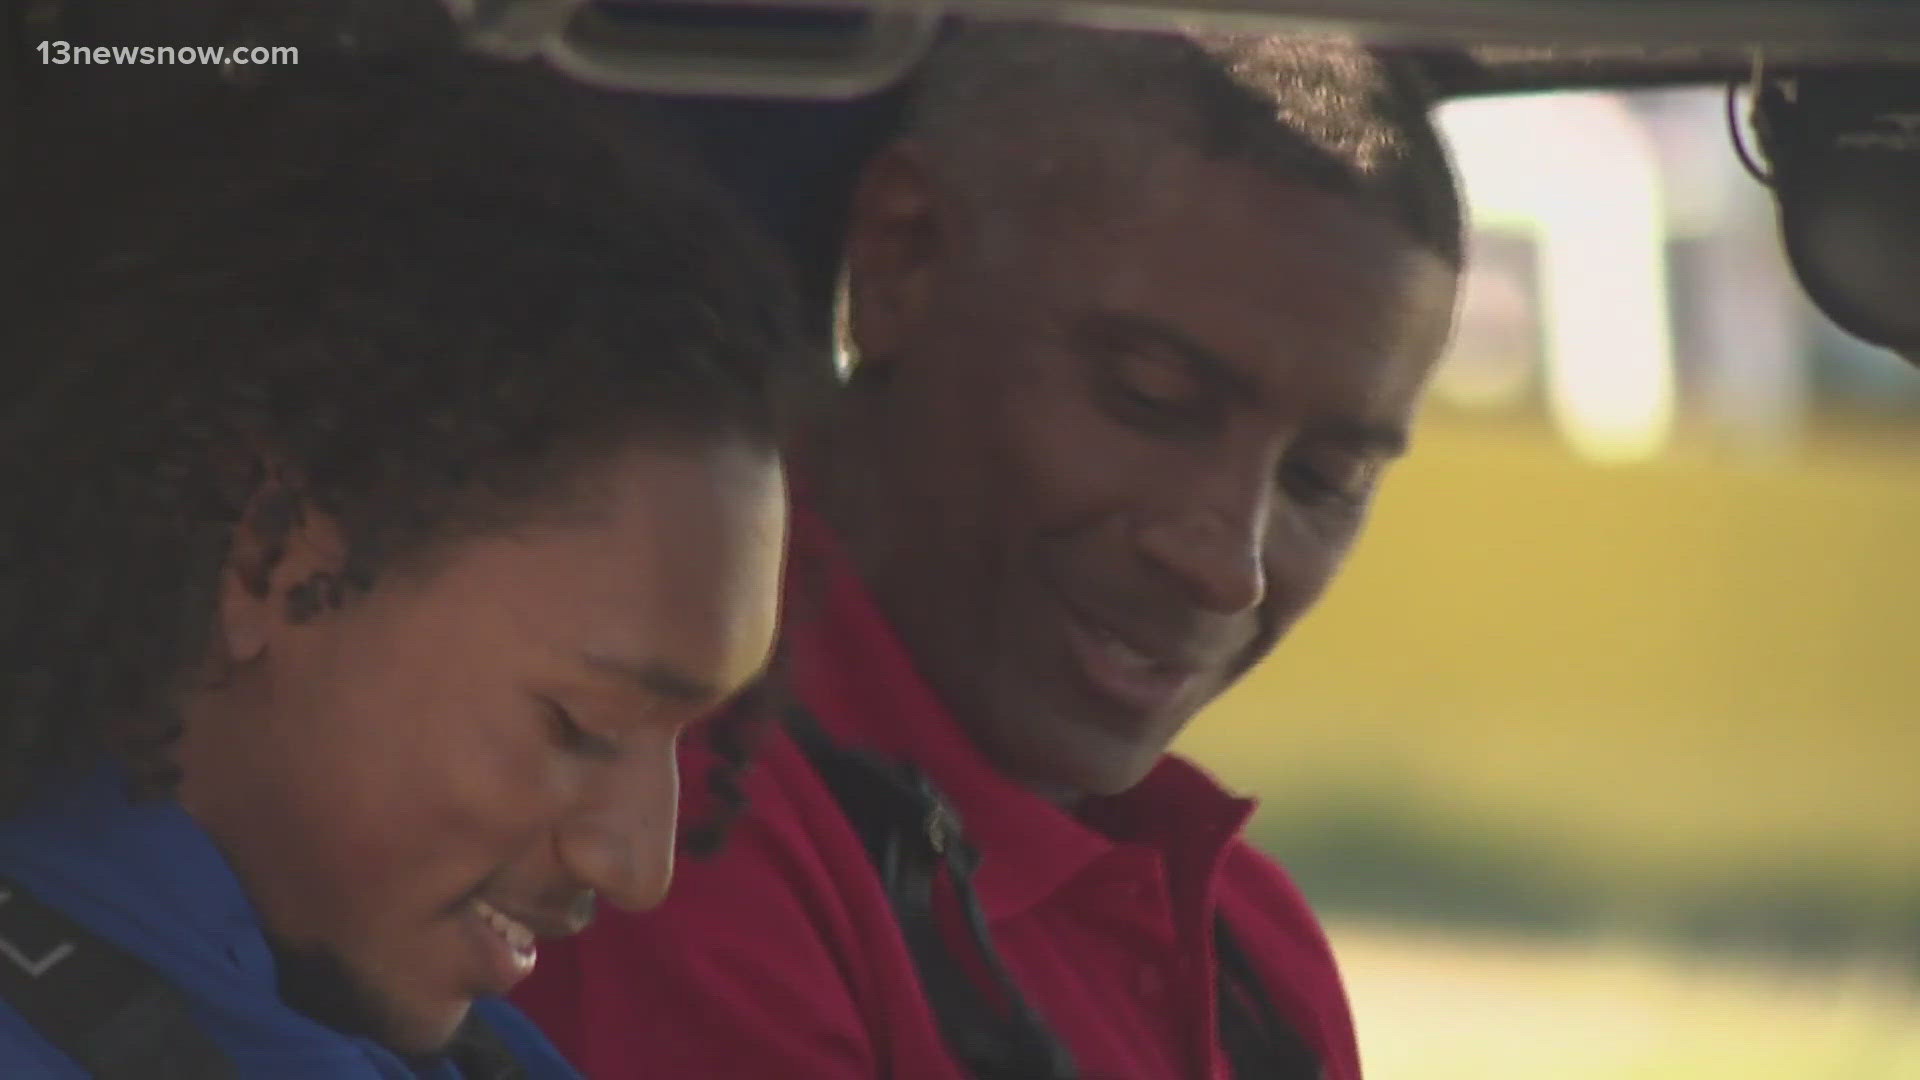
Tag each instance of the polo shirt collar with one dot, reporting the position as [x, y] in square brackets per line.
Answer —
[853, 671]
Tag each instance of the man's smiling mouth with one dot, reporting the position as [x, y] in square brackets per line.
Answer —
[1125, 674]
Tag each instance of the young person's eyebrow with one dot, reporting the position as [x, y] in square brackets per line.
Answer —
[661, 679]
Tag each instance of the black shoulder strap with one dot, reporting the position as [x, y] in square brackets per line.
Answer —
[1259, 1043]
[911, 833]
[478, 1052]
[100, 1005]
[119, 1019]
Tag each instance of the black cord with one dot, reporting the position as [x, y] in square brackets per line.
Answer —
[1739, 137]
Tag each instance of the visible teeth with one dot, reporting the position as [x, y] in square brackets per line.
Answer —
[518, 937]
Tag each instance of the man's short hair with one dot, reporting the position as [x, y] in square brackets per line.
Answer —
[1005, 107]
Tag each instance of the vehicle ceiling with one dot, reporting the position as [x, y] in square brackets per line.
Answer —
[1477, 46]
[819, 57]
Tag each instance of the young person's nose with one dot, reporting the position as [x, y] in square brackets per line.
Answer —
[620, 840]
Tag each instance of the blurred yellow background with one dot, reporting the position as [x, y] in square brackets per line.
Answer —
[1690, 660]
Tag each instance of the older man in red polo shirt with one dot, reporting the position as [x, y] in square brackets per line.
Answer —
[1140, 320]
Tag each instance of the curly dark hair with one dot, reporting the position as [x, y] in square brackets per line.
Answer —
[416, 296]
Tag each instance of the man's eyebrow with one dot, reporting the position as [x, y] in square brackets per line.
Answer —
[1385, 438]
[1388, 438]
[657, 678]
[1204, 362]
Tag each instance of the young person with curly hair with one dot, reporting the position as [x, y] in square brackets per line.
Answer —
[388, 478]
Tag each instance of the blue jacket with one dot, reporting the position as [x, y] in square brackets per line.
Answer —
[146, 877]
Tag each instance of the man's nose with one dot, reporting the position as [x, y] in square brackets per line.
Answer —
[619, 841]
[1214, 548]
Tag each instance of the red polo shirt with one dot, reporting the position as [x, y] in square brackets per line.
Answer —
[780, 958]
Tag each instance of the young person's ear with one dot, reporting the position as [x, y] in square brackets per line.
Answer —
[896, 236]
[282, 553]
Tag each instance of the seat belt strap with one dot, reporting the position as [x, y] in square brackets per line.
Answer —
[480, 1054]
[911, 834]
[105, 1008]
[914, 839]
[1258, 1042]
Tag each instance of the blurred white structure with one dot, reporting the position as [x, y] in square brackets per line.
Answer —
[1580, 177]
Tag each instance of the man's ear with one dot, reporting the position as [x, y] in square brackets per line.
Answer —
[898, 231]
[280, 547]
